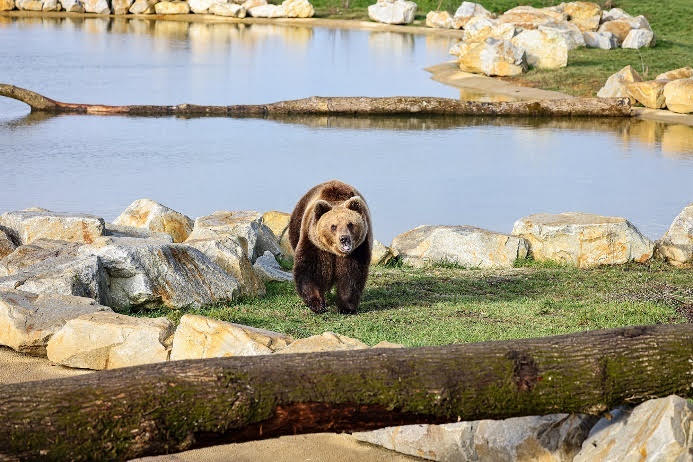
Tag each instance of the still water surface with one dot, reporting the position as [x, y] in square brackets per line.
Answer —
[484, 172]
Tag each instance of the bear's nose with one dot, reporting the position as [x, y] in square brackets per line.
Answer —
[345, 240]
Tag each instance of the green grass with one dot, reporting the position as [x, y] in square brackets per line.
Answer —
[587, 69]
[444, 305]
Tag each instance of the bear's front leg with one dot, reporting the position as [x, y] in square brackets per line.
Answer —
[311, 278]
[351, 278]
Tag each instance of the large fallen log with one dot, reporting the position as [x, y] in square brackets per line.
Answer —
[168, 407]
[358, 106]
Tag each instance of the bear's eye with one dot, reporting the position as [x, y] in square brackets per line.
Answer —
[333, 227]
[350, 226]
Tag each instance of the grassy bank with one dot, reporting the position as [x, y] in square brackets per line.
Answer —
[587, 68]
[445, 305]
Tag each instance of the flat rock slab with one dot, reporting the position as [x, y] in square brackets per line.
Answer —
[27, 321]
[110, 340]
[268, 269]
[466, 246]
[29, 225]
[201, 337]
[583, 239]
[656, 430]
[327, 341]
[676, 246]
[145, 213]
[36, 253]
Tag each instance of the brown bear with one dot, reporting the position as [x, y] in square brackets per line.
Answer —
[331, 234]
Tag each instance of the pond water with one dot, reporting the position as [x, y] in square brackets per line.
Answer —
[480, 171]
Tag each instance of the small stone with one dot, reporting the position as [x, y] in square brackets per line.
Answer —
[328, 341]
[381, 254]
[462, 245]
[649, 94]
[145, 213]
[268, 269]
[439, 20]
[583, 239]
[656, 430]
[106, 340]
[543, 49]
[28, 320]
[469, 10]
[172, 8]
[200, 337]
[681, 73]
[298, 9]
[29, 225]
[7, 245]
[679, 95]
[231, 10]
[267, 11]
[393, 12]
[638, 38]
[492, 57]
[602, 40]
[615, 85]
[676, 246]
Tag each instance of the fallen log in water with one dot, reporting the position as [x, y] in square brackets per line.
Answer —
[358, 106]
[168, 407]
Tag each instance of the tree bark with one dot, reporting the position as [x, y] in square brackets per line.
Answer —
[357, 106]
[168, 407]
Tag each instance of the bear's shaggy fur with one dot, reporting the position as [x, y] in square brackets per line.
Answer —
[331, 234]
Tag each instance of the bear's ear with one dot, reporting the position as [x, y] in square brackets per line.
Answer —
[357, 204]
[320, 208]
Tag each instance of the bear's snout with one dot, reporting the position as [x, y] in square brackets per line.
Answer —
[345, 243]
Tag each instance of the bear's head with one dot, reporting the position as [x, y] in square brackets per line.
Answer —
[340, 228]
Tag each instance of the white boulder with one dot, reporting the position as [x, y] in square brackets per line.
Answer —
[393, 11]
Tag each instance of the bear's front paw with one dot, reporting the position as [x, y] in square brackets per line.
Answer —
[346, 309]
[317, 305]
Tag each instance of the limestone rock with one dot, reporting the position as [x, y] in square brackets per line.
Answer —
[121, 6]
[469, 10]
[543, 49]
[649, 94]
[174, 7]
[245, 224]
[615, 13]
[28, 320]
[248, 4]
[381, 254]
[527, 17]
[145, 213]
[479, 28]
[198, 7]
[588, 24]
[96, 6]
[570, 33]
[585, 15]
[298, 9]
[36, 253]
[141, 233]
[29, 5]
[638, 38]
[200, 337]
[7, 5]
[267, 11]
[622, 27]
[51, 5]
[582, 239]
[268, 269]
[679, 95]
[492, 57]
[278, 223]
[73, 6]
[681, 73]
[28, 225]
[327, 341]
[231, 10]
[232, 257]
[7, 245]
[656, 430]
[615, 85]
[107, 340]
[602, 40]
[393, 12]
[148, 273]
[676, 246]
[143, 6]
[440, 20]
[462, 245]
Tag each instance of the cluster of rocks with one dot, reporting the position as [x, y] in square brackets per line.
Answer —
[671, 90]
[580, 239]
[539, 37]
[231, 8]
